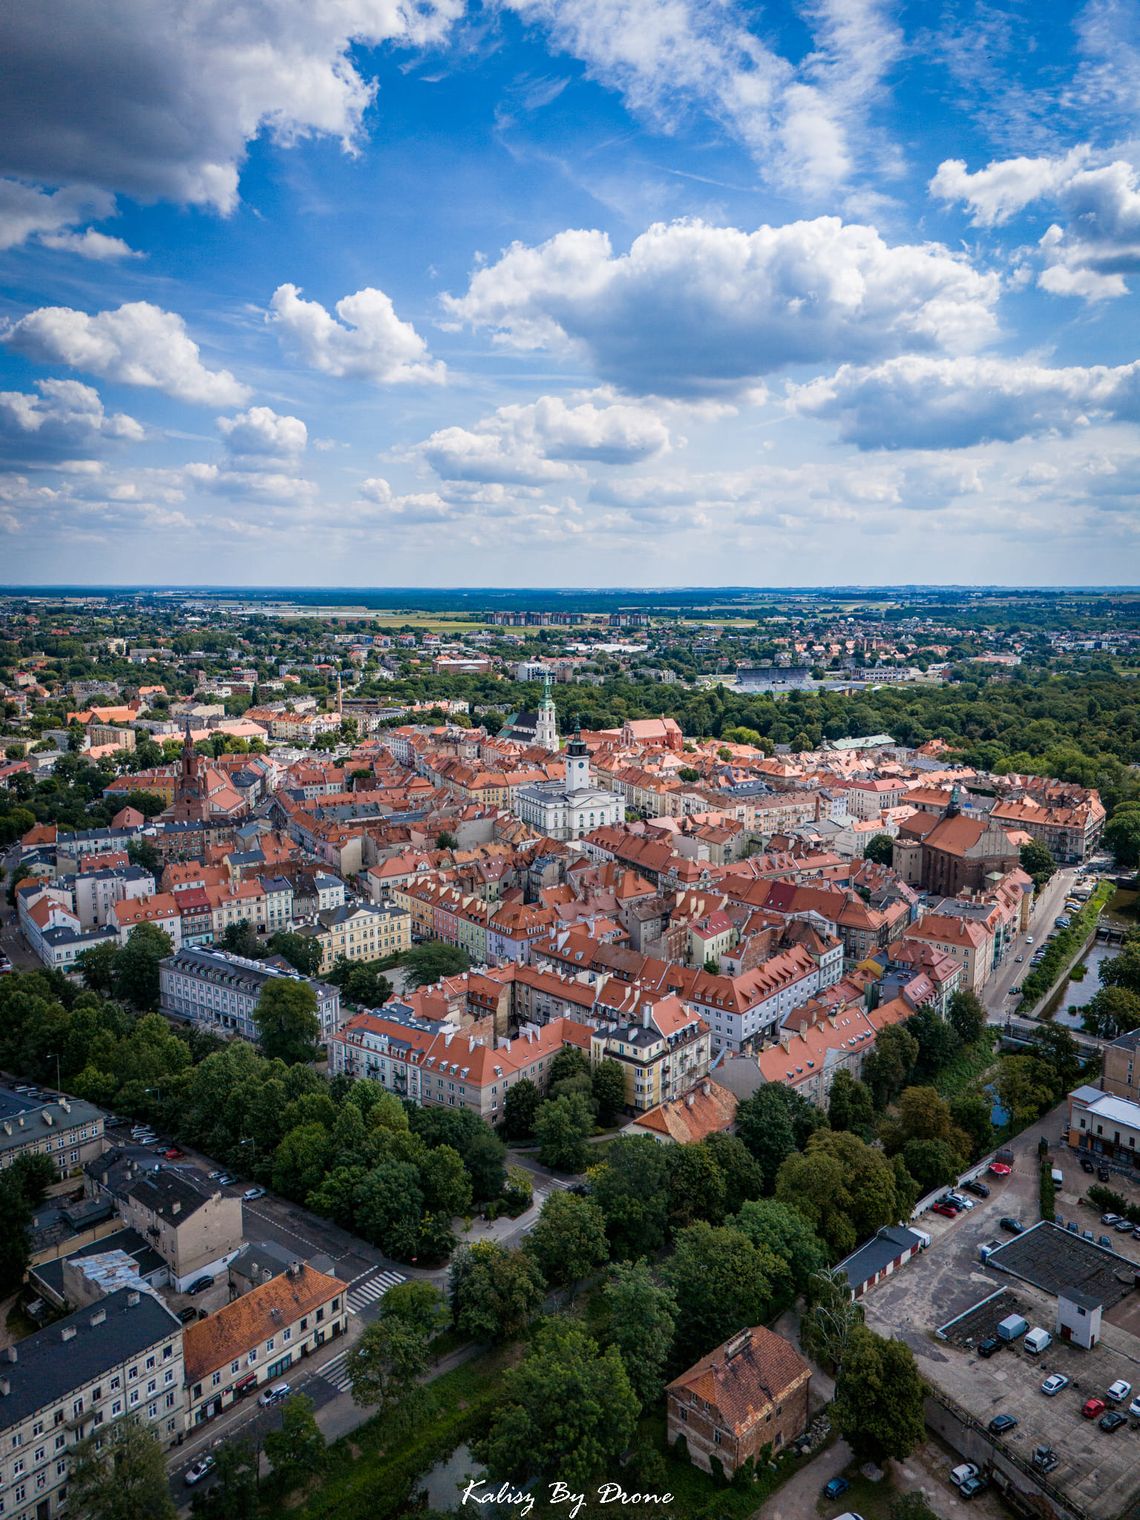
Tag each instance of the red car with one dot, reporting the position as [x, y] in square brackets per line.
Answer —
[174, 1154]
[1092, 1407]
[999, 1169]
[947, 1210]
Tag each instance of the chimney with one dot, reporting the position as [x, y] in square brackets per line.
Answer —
[132, 1300]
[98, 1317]
[67, 1333]
[12, 1354]
[646, 1015]
[5, 1388]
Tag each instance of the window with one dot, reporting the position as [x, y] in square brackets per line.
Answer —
[149, 1363]
[235, 1366]
[287, 1335]
[716, 1437]
[269, 1345]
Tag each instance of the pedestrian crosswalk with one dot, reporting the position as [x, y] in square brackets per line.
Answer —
[334, 1372]
[372, 1286]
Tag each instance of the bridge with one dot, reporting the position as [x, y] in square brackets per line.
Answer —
[1110, 934]
[1021, 1032]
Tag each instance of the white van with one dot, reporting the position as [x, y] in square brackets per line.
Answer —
[1037, 1341]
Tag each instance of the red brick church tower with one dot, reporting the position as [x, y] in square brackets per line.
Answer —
[190, 803]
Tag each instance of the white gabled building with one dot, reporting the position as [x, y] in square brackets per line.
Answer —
[572, 808]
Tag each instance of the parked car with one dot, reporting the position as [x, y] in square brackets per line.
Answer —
[1109, 1218]
[1015, 991]
[973, 1486]
[1111, 1421]
[960, 1201]
[174, 1154]
[1014, 1226]
[835, 1487]
[1086, 1165]
[979, 1189]
[1054, 1383]
[1134, 1407]
[1119, 1391]
[999, 1169]
[1123, 1227]
[252, 1194]
[225, 1179]
[1103, 1174]
[187, 1314]
[200, 1284]
[274, 1395]
[200, 1469]
[947, 1210]
[962, 1473]
[1002, 1422]
[1106, 1241]
[1093, 1408]
[987, 1347]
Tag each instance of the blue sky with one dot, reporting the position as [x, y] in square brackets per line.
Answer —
[597, 292]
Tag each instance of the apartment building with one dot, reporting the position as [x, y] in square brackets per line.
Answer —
[1120, 1075]
[221, 991]
[663, 1053]
[361, 932]
[258, 1337]
[161, 910]
[122, 1355]
[96, 892]
[69, 1130]
[196, 1229]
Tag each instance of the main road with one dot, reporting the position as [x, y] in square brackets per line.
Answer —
[1009, 975]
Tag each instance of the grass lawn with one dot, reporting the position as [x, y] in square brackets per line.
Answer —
[971, 1067]
[372, 1478]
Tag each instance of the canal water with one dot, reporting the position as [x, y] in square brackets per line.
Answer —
[1075, 995]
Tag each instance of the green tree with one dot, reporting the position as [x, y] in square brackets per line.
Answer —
[1123, 970]
[427, 963]
[22, 1188]
[140, 852]
[561, 1129]
[931, 1162]
[641, 1316]
[845, 1188]
[302, 951]
[607, 1086]
[287, 1022]
[569, 1239]
[880, 848]
[1057, 1058]
[136, 969]
[233, 1493]
[878, 1406]
[241, 939]
[520, 1109]
[1109, 1012]
[784, 1232]
[966, 1015]
[774, 1122]
[417, 1302]
[743, 1179]
[365, 984]
[1037, 862]
[568, 1409]
[911, 1507]
[389, 1205]
[97, 968]
[301, 1160]
[631, 1187]
[1122, 836]
[722, 1283]
[444, 1182]
[386, 1366]
[297, 1451]
[493, 1291]
[889, 1064]
[972, 1113]
[120, 1474]
[850, 1105]
[696, 1185]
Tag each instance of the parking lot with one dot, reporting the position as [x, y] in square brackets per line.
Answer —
[1099, 1470]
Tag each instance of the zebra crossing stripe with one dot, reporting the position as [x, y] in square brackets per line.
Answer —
[334, 1372]
[368, 1290]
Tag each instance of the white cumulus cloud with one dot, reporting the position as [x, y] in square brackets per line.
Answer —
[365, 340]
[545, 440]
[261, 432]
[65, 418]
[1095, 244]
[138, 344]
[695, 309]
[159, 99]
[927, 403]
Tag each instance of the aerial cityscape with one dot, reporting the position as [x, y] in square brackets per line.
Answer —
[570, 760]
